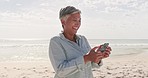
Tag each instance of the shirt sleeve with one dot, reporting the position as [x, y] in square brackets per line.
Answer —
[62, 66]
[97, 65]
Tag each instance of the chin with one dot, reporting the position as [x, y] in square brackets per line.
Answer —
[75, 32]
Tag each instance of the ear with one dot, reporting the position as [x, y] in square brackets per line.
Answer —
[63, 22]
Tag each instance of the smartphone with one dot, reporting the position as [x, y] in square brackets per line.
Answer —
[103, 47]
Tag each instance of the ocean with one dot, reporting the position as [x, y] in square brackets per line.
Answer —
[37, 50]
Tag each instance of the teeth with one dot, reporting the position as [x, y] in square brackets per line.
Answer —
[75, 28]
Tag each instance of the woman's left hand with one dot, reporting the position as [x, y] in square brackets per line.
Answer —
[107, 52]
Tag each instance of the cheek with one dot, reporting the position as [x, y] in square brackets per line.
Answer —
[70, 24]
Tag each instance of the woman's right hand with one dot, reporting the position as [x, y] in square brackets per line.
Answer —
[93, 56]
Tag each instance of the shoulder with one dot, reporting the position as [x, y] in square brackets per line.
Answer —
[55, 39]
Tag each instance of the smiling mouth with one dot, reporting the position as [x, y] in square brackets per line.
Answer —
[76, 28]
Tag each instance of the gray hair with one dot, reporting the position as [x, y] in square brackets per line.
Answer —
[67, 11]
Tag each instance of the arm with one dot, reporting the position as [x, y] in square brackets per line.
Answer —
[94, 65]
[62, 66]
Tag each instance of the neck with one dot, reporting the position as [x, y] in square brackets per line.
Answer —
[71, 37]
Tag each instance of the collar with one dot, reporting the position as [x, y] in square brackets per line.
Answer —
[63, 37]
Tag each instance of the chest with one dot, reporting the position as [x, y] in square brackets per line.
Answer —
[73, 50]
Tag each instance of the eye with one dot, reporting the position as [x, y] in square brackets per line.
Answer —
[75, 20]
[79, 20]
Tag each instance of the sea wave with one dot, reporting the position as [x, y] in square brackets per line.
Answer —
[25, 45]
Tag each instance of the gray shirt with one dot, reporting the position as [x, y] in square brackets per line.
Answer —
[67, 57]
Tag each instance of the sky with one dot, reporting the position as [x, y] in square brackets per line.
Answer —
[101, 19]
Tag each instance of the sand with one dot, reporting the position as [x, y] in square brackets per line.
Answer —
[125, 66]
[26, 70]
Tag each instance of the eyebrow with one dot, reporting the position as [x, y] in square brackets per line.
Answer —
[75, 17]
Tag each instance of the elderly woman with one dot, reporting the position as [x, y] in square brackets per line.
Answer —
[71, 54]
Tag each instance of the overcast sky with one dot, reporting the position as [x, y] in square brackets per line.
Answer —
[101, 19]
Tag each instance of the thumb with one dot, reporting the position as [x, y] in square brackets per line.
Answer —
[94, 49]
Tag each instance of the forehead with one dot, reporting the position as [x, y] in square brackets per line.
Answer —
[75, 15]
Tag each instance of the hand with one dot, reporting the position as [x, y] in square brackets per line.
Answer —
[93, 56]
[107, 52]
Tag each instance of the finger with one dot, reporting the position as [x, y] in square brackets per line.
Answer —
[99, 53]
[107, 52]
[94, 49]
[105, 56]
[99, 48]
[109, 48]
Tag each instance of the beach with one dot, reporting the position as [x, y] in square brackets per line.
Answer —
[126, 66]
[29, 59]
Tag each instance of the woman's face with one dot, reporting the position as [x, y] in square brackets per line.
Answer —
[72, 24]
